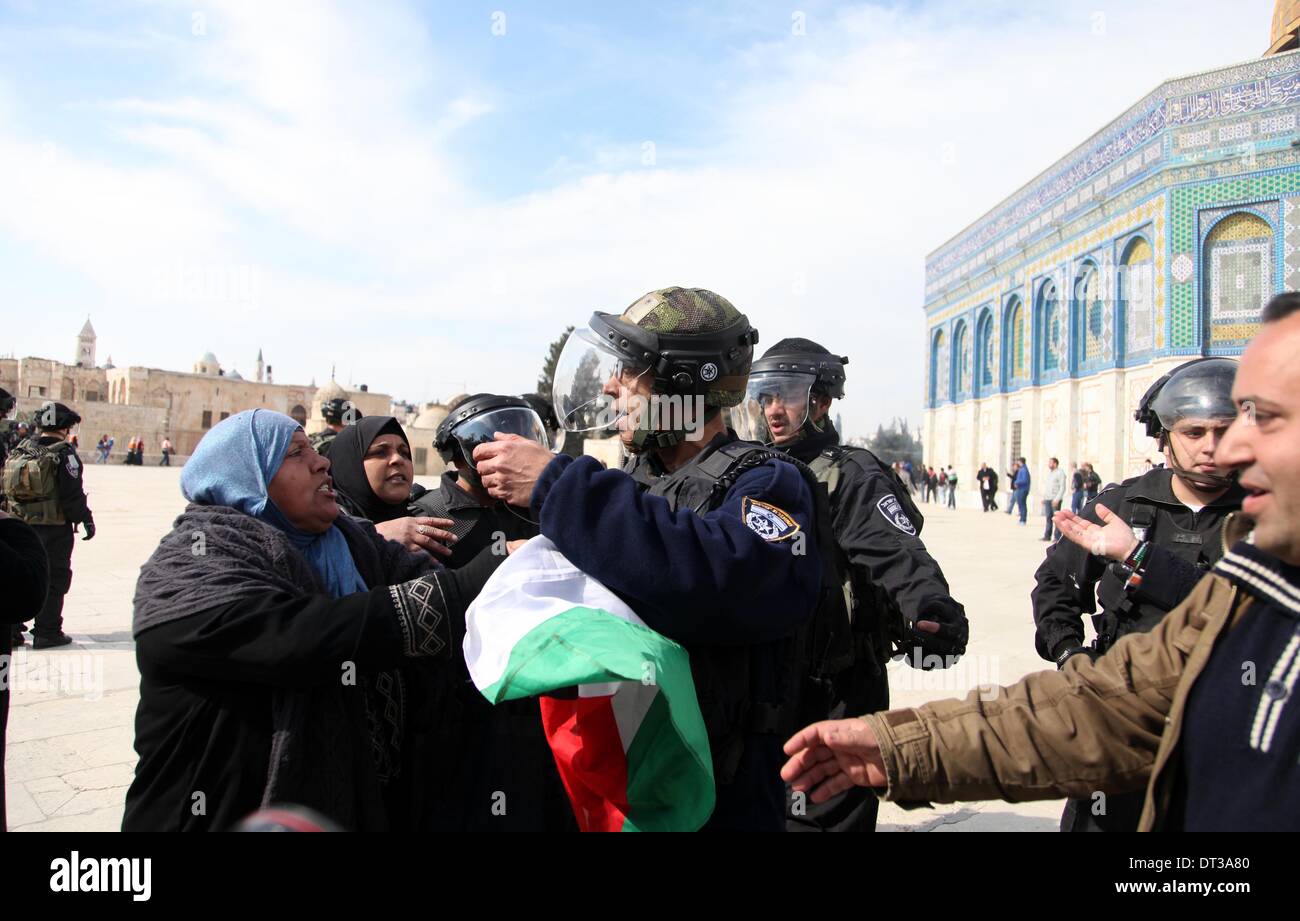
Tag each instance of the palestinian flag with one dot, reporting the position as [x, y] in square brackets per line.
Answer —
[627, 734]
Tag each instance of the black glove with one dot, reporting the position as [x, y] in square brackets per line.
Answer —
[927, 651]
[1068, 649]
[88, 526]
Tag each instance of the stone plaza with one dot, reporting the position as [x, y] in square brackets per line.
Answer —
[70, 759]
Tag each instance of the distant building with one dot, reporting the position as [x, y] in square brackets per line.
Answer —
[154, 403]
[1156, 241]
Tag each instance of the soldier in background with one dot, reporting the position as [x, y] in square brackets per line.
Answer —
[1141, 546]
[337, 413]
[7, 403]
[42, 480]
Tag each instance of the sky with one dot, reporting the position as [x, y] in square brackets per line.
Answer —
[424, 195]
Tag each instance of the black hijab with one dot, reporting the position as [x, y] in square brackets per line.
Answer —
[347, 467]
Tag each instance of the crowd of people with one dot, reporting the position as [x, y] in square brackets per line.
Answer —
[789, 566]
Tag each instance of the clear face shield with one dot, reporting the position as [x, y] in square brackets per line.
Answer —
[584, 369]
[510, 420]
[775, 407]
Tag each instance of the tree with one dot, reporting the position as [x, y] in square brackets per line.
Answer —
[546, 382]
[896, 443]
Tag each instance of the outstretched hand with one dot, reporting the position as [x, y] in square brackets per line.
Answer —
[1112, 539]
[827, 758]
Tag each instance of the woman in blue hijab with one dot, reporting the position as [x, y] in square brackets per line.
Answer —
[284, 649]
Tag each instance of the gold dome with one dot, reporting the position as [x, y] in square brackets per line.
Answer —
[1286, 25]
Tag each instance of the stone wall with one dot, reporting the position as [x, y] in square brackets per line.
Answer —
[1073, 420]
[122, 422]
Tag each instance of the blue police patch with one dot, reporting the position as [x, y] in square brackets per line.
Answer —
[767, 521]
[892, 509]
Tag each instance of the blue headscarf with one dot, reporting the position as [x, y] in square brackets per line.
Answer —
[234, 463]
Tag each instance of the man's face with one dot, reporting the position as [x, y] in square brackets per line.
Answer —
[779, 419]
[1263, 442]
[631, 389]
[785, 419]
[1052, 464]
[1192, 444]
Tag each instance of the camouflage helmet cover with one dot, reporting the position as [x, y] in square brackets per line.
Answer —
[675, 315]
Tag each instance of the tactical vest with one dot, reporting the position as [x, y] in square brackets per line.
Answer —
[807, 660]
[1121, 613]
[31, 481]
[320, 441]
[878, 624]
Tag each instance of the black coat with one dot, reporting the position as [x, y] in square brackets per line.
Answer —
[256, 686]
[24, 579]
[1071, 582]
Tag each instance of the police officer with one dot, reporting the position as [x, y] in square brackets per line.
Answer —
[337, 413]
[478, 519]
[900, 598]
[1140, 547]
[42, 478]
[503, 748]
[712, 541]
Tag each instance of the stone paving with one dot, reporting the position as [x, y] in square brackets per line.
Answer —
[70, 756]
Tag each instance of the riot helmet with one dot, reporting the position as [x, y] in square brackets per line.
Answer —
[54, 417]
[338, 411]
[688, 344]
[1200, 389]
[782, 385]
[475, 420]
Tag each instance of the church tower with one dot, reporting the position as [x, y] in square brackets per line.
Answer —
[86, 346]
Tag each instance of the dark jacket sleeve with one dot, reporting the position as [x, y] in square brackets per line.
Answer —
[895, 560]
[303, 640]
[1066, 587]
[24, 571]
[694, 578]
[72, 493]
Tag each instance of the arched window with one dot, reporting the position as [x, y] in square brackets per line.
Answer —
[938, 369]
[961, 363]
[299, 413]
[1096, 346]
[1239, 272]
[984, 354]
[1137, 294]
[1016, 361]
[1051, 348]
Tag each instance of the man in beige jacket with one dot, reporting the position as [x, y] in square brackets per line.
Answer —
[1200, 711]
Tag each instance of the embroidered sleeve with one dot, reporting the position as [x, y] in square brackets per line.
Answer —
[422, 614]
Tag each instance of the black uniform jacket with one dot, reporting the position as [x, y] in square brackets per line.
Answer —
[1071, 581]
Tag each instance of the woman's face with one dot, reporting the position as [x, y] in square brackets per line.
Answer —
[389, 469]
[302, 488]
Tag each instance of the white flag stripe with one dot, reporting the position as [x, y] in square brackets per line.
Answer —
[631, 704]
[534, 584]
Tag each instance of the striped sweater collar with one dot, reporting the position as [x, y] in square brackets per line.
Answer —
[1264, 576]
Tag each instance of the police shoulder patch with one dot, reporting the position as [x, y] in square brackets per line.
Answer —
[767, 521]
[74, 465]
[892, 509]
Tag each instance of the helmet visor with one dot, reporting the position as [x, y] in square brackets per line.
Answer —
[510, 420]
[775, 407]
[584, 370]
